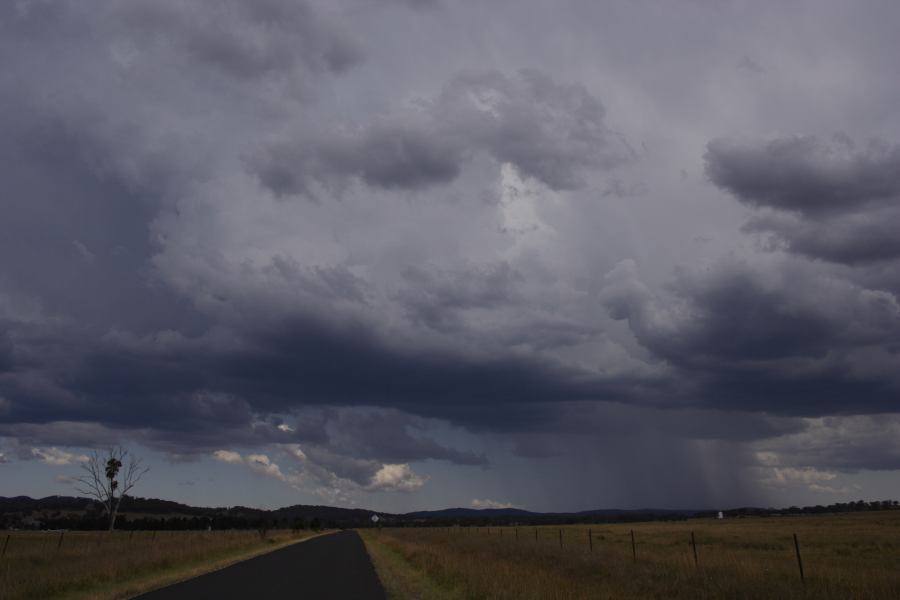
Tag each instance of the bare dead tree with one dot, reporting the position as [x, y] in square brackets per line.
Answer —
[109, 477]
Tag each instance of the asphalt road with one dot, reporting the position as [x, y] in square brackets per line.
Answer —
[331, 566]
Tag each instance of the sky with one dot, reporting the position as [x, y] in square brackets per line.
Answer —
[412, 254]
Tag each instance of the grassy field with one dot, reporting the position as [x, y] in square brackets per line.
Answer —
[105, 566]
[844, 556]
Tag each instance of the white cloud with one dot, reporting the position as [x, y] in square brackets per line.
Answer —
[259, 463]
[827, 489]
[56, 457]
[398, 477]
[227, 456]
[328, 484]
[810, 477]
[769, 459]
[264, 465]
[296, 451]
[486, 503]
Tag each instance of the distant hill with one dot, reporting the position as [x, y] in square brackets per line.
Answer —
[81, 513]
[67, 512]
[470, 513]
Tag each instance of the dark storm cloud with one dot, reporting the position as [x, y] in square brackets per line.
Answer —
[552, 132]
[788, 341]
[6, 351]
[349, 365]
[85, 228]
[216, 392]
[386, 435]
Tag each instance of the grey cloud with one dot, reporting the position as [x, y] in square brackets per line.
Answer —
[436, 298]
[553, 133]
[844, 443]
[359, 471]
[387, 156]
[420, 4]
[244, 40]
[748, 64]
[805, 174]
[832, 200]
[852, 239]
[550, 131]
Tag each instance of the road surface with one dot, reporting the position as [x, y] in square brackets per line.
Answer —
[331, 566]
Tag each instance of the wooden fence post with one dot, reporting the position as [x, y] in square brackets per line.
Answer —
[560, 539]
[5, 544]
[517, 534]
[61, 534]
[694, 546]
[535, 534]
[590, 542]
[799, 559]
[633, 547]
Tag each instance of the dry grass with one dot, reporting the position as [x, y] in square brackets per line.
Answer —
[401, 580]
[844, 556]
[107, 566]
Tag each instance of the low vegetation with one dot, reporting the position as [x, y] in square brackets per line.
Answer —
[78, 565]
[844, 556]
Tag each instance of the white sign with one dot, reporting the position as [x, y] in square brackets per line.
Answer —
[721, 516]
[374, 518]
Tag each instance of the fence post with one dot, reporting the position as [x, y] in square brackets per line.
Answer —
[799, 559]
[61, 534]
[694, 546]
[5, 544]
[590, 542]
[560, 539]
[517, 534]
[535, 534]
[633, 547]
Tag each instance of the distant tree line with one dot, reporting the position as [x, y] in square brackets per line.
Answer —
[818, 509]
[96, 521]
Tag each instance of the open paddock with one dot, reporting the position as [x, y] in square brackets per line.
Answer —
[844, 556]
[104, 565]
